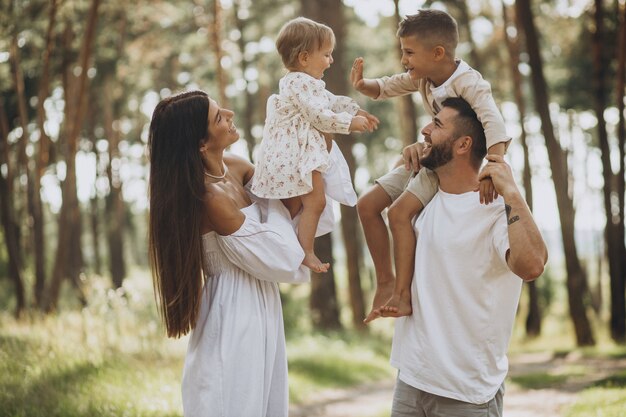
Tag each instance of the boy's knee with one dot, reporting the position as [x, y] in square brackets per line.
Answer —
[369, 204]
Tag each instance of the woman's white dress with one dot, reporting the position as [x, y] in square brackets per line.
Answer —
[292, 145]
[236, 363]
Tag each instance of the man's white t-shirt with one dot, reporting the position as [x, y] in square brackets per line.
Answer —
[464, 298]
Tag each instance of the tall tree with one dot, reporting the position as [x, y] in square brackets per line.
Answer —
[615, 247]
[42, 156]
[408, 114]
[215, 32]
[69, 253]
[248, 98]
[330, 12]
[576, 278]
[323, 300]
[7, 215]
[511, 30]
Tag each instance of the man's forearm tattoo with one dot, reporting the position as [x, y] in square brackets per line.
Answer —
[510, 220]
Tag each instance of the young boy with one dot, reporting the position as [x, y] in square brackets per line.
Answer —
[428, 40]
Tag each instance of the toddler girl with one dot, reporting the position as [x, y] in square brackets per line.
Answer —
[294, 152]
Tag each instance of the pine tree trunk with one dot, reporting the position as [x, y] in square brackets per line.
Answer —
[215, 32]
[248, 106]
[7, 216]
[576, 279]
[42, 158]
[330, 12]
[533, 318]
[69, 248]
[323, 300]
[406, 105]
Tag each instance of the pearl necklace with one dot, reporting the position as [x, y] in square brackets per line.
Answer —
[218, 177]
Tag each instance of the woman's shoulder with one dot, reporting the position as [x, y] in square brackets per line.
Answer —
[240, 167]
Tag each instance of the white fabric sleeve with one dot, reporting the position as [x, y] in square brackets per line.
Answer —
[269, 251]
[396, 85]
[311, 99]
[340, 104]
[477, 92]
[500, 234]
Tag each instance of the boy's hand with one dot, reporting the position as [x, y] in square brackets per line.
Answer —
[500, 174]
[356, 75]
[360, 124]
[373, 120]
[411, 156]
[487, 191]
[364, 86]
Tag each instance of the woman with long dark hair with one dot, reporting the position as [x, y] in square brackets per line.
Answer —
[216, 259]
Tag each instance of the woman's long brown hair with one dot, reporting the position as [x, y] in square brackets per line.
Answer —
[176, 188]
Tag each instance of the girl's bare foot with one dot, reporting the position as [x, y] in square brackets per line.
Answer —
[314, 264]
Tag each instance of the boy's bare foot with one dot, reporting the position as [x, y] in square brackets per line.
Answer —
[397, 306]
[384, 291]
[314, 264]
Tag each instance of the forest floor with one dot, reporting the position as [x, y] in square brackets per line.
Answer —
[538, 385]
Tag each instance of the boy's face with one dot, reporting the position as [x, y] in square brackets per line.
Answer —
[418, 60]
[319, 61]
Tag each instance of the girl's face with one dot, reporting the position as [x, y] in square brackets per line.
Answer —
[222, 130]
[315, 63]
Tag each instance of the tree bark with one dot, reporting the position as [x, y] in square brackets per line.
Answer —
[576, 279]
[215, 32]
[330, 12]
[406, 105]
[248, 105]
[69, 217]
[115, 209]
[618, 282]
[323, 300]
[7, 216]
[42, 158]
[533, 318]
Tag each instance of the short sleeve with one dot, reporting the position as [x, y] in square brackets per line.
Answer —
[312, 100]
[424, 185]
[501, 236]
[268, 250]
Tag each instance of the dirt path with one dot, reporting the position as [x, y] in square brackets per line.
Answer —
[374, 399]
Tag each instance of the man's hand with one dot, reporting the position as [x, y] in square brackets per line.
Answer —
[411, 156]
[373, 120]
[501, 175]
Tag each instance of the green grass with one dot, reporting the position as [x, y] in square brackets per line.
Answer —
[113, 359]
[606, 398]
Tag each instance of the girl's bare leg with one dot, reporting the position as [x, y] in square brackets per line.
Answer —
[313, 205]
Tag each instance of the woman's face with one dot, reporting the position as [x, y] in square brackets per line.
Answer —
[222, 130]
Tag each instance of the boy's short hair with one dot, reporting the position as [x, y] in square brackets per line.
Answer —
[301, 35]
[467, 124]
[433, 27]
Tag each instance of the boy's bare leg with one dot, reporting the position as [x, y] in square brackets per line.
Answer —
[370, 207]
[401, 214]
[313, 205]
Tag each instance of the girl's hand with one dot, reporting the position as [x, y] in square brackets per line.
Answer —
[373, 120]
[360, 124]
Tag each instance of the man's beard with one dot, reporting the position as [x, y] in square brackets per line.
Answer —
[439, 155]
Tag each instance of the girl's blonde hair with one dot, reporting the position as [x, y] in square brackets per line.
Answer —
[302, 35]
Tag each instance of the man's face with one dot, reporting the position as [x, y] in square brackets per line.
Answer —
[439, 138]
